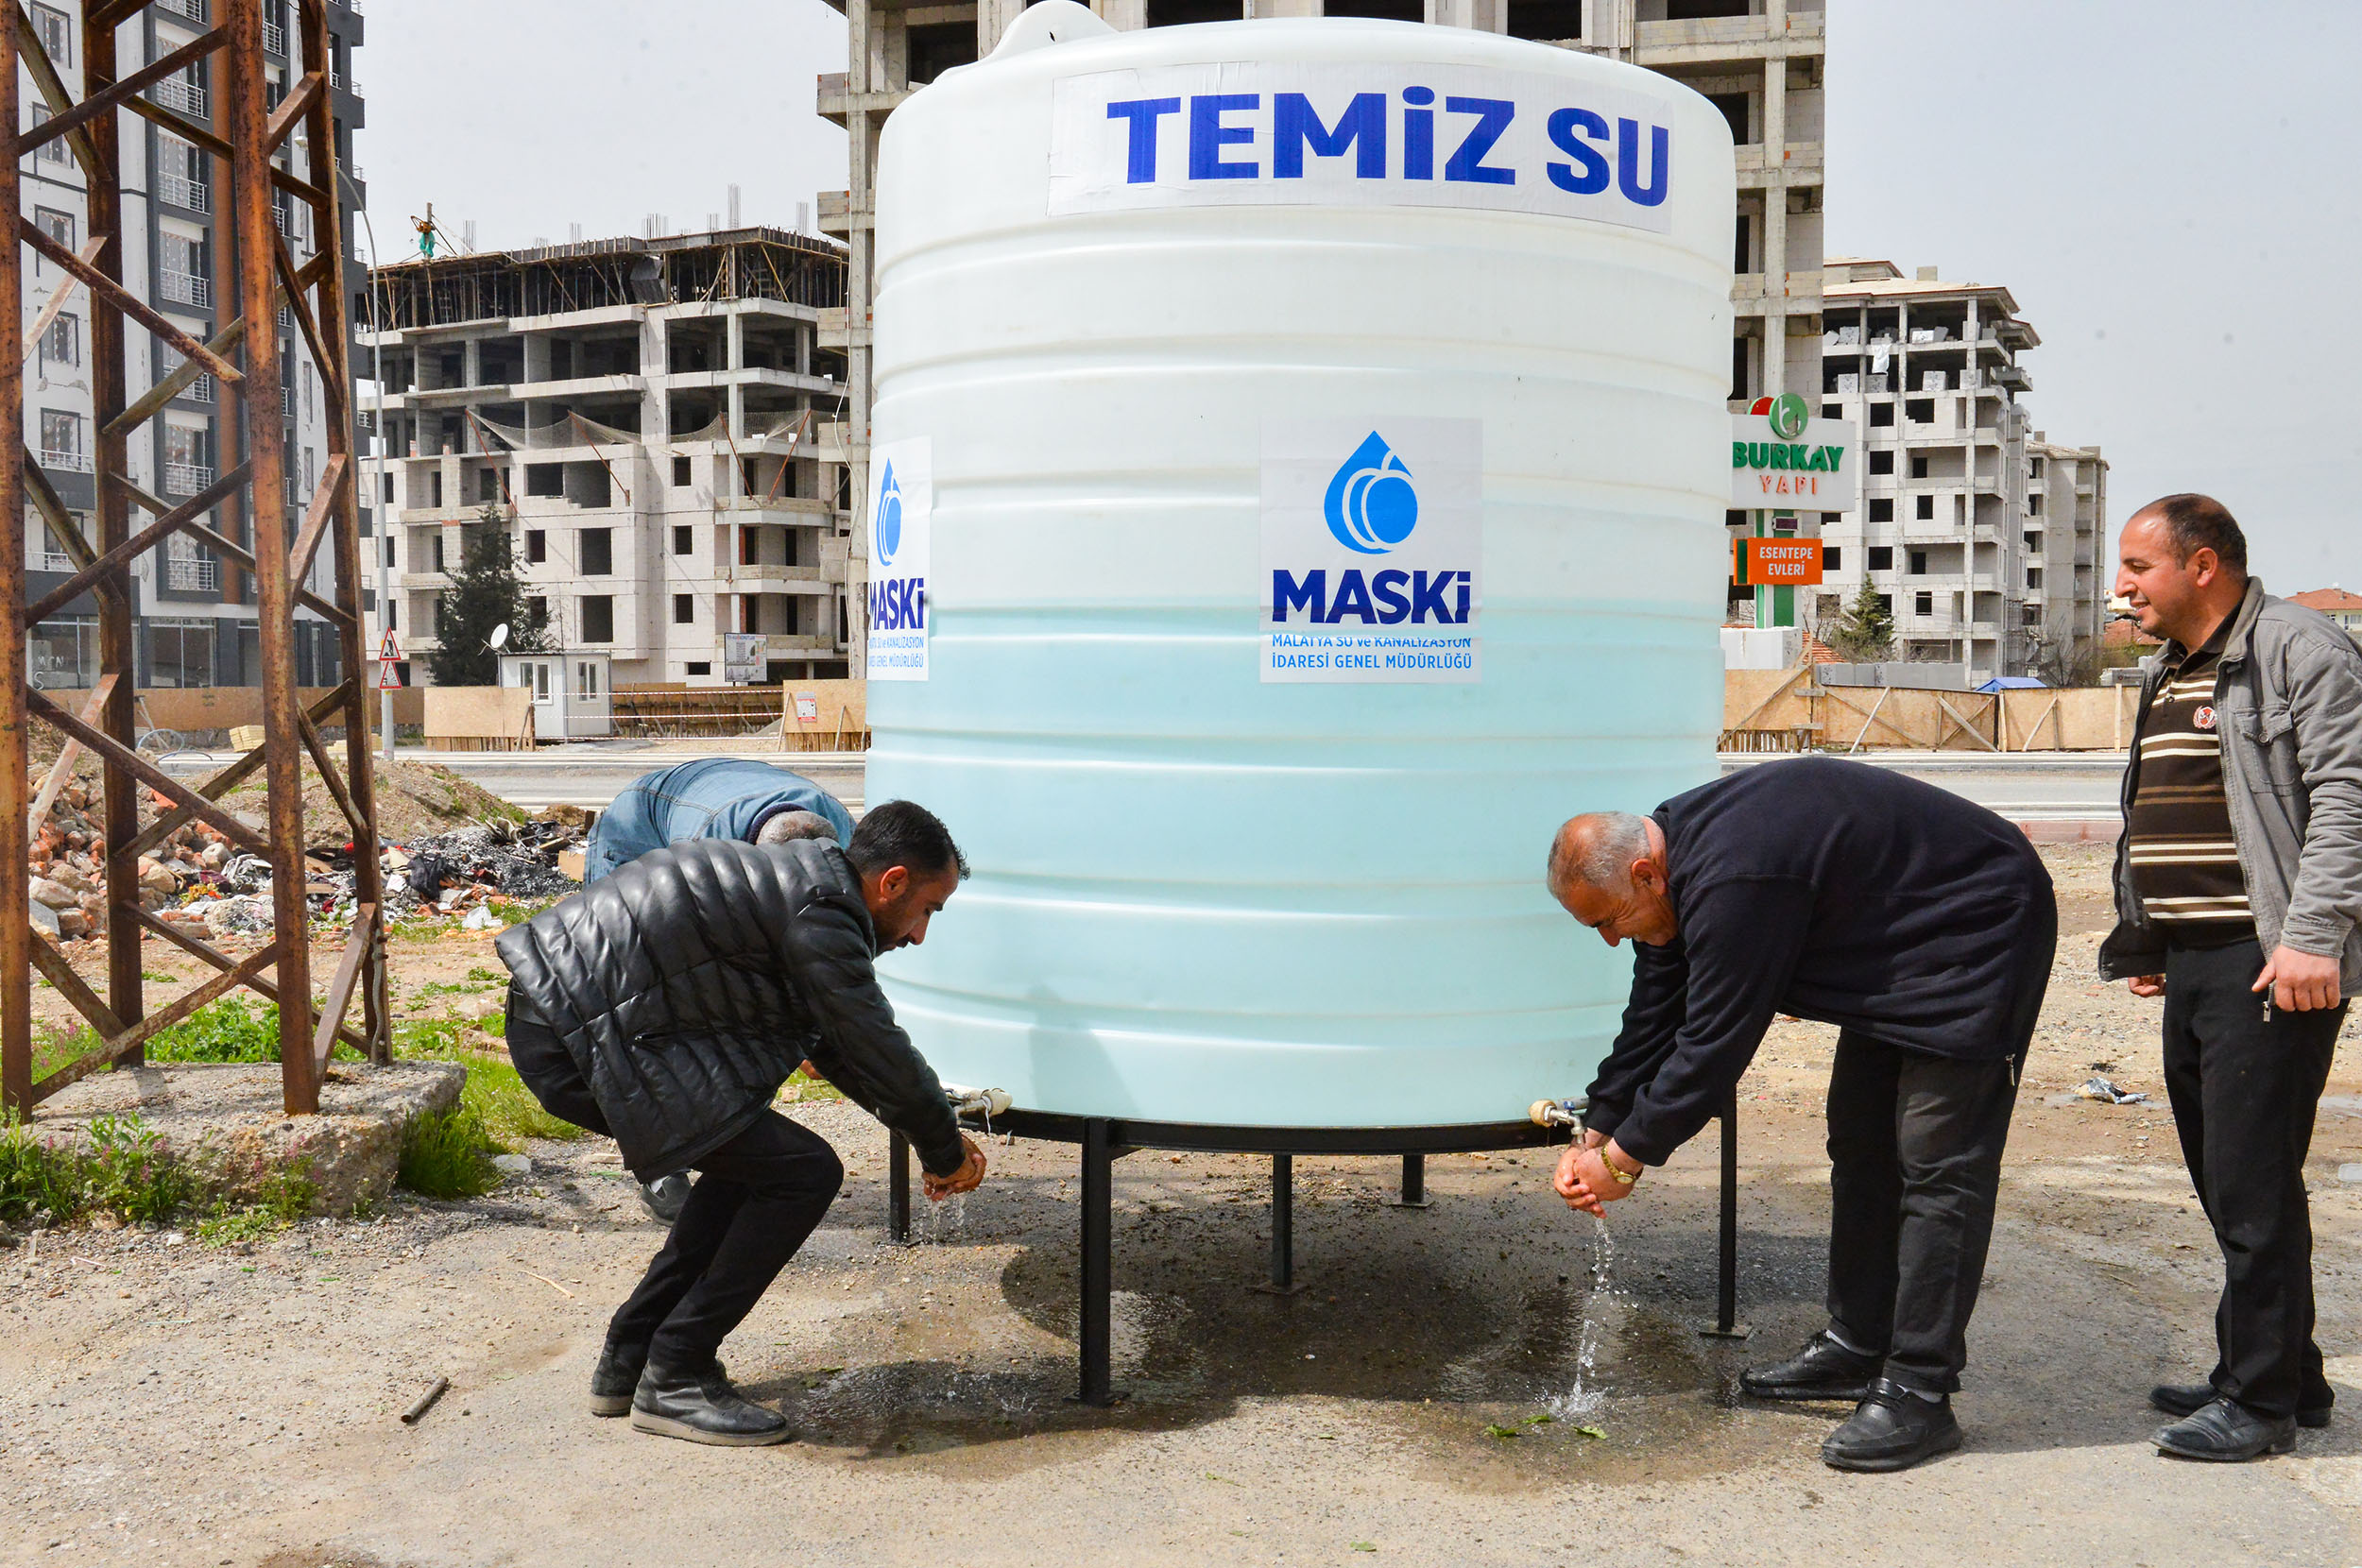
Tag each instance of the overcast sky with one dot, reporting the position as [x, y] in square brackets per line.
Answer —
[2166, 190]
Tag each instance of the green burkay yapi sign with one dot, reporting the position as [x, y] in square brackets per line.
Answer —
[1777, 465]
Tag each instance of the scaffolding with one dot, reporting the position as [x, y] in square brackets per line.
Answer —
[272, 153]
[492, 285]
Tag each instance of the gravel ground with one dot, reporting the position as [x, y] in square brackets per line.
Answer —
[178, 1403]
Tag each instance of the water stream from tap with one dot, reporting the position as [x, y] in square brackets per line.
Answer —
[1587, 1397]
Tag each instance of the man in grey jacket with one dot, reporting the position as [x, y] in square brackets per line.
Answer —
[2239, 889]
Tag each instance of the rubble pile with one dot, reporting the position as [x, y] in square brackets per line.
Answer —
[197, 881]
[69, 864]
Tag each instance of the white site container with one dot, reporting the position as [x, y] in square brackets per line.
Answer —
[1202, 897]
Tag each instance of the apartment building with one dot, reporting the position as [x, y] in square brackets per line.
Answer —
[654, 424]
[1983, 537]
[1761, 62]
[196, 613]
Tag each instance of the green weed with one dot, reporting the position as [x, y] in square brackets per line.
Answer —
[286, 1195]
[55, 1048]
[448, 1156]
[131, 1175]
[494, 1091]
[230, 1029]
[39, 1177]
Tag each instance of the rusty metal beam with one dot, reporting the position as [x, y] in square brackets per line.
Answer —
[114, 294]
[16, 903]
[111, 98]
[145, 539]
[130, 767]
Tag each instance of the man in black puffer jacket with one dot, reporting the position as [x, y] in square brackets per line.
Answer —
[665, 1005]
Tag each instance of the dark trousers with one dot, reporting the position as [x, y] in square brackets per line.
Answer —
[2245, 1084]
[756, 1199]
[1914, 1162]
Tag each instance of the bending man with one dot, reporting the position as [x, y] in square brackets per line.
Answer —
[664, 1006]
[1922, 927]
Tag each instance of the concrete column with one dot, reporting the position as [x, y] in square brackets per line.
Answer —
[734, 340]
[993, 18]
[1483, 16]
[472, 363]
[1773, 140]
[537, 357]
[1125, 16]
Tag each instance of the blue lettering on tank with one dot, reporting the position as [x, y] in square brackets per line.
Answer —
[1139, 166]
[1296, 125]
[1649, 192]
[1467, 165]
[1418, 134]
[1208, 135]
[1564, 127]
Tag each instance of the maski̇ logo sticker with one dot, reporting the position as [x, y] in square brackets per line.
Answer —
[889, 515]
[1371, 507]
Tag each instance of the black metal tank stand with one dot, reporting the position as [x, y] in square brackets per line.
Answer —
[1103, 1140]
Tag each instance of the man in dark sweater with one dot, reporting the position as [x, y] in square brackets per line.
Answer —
[1922, 926]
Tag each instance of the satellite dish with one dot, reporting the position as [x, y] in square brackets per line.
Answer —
[499, 637]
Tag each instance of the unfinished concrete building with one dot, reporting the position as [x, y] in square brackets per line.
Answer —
[653, 422]
[1962, 524]
[1761, 62]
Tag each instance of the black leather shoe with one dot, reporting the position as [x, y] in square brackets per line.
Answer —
[2188, 1399]
[702, 1406]
[2227, 1432]
[1893, 1429]
[614, 1379]
[665, 1195]
[1824, 1369]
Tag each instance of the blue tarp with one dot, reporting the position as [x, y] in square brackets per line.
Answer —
[2013, 683]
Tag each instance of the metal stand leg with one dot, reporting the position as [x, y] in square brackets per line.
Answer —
[1726, 1325]
[1094, 1332]
[1283, 1228]
[898, 1190]
[1414, 1195]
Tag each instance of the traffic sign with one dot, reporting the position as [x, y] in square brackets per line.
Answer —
[388, 676]
[389, 648]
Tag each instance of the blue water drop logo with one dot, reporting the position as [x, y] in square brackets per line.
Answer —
[1371, 507]
[889, 528]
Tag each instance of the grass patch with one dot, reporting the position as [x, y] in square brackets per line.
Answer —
[125, 1172]
[801, 1088]
[495, 1093]
[229, 1028]
[448, 1155]
[55, 1048]
[287, 1196]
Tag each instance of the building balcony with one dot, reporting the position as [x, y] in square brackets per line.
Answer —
[835, 100]
[192, 574]
[755, 576]
[1657, 44]
[836, 216]
[185, 288]
[198, 11]
[1798, 164]
[777, 509]
[65, 460]
[1754, 289]
[190, 195]
[178, 93]
[187, 479]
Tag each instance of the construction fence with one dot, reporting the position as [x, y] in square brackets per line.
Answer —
[1773, 710]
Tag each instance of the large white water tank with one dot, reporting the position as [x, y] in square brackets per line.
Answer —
[1152, 309]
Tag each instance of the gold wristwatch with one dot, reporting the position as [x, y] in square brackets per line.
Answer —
[1621, 1179]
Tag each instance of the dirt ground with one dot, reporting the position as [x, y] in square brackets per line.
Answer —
[175, 1403]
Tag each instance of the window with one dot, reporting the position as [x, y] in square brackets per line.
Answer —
[390, 562]
[393, 607]
[598, 619]
[537, 545]
[537, 610]
[1733, 107]
[61, 441]
[597, 555]
[1882, 462]
[53, 150]
[1832, 411]
[1923, 508]
[487, 487]
[680, 473]
[1832, 558]
[2034, 578]
[1922, 604]
[434, 550]
[586, 678]
[684, 540]
[1547, 20]
[2033, 505]
[1882, 557]
[1881, 414]
[179, 653]
[684, 609]
[1920, 411]
[700, 667]
[58, 226]
[1918, 563]
[56, 34]
[389, 486]
[1882, 511]
[63, 342]
[1886, 603]
[1919, 467]
[545, 479]
[2033, 467]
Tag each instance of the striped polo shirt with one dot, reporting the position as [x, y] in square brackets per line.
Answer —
[2184, 865]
